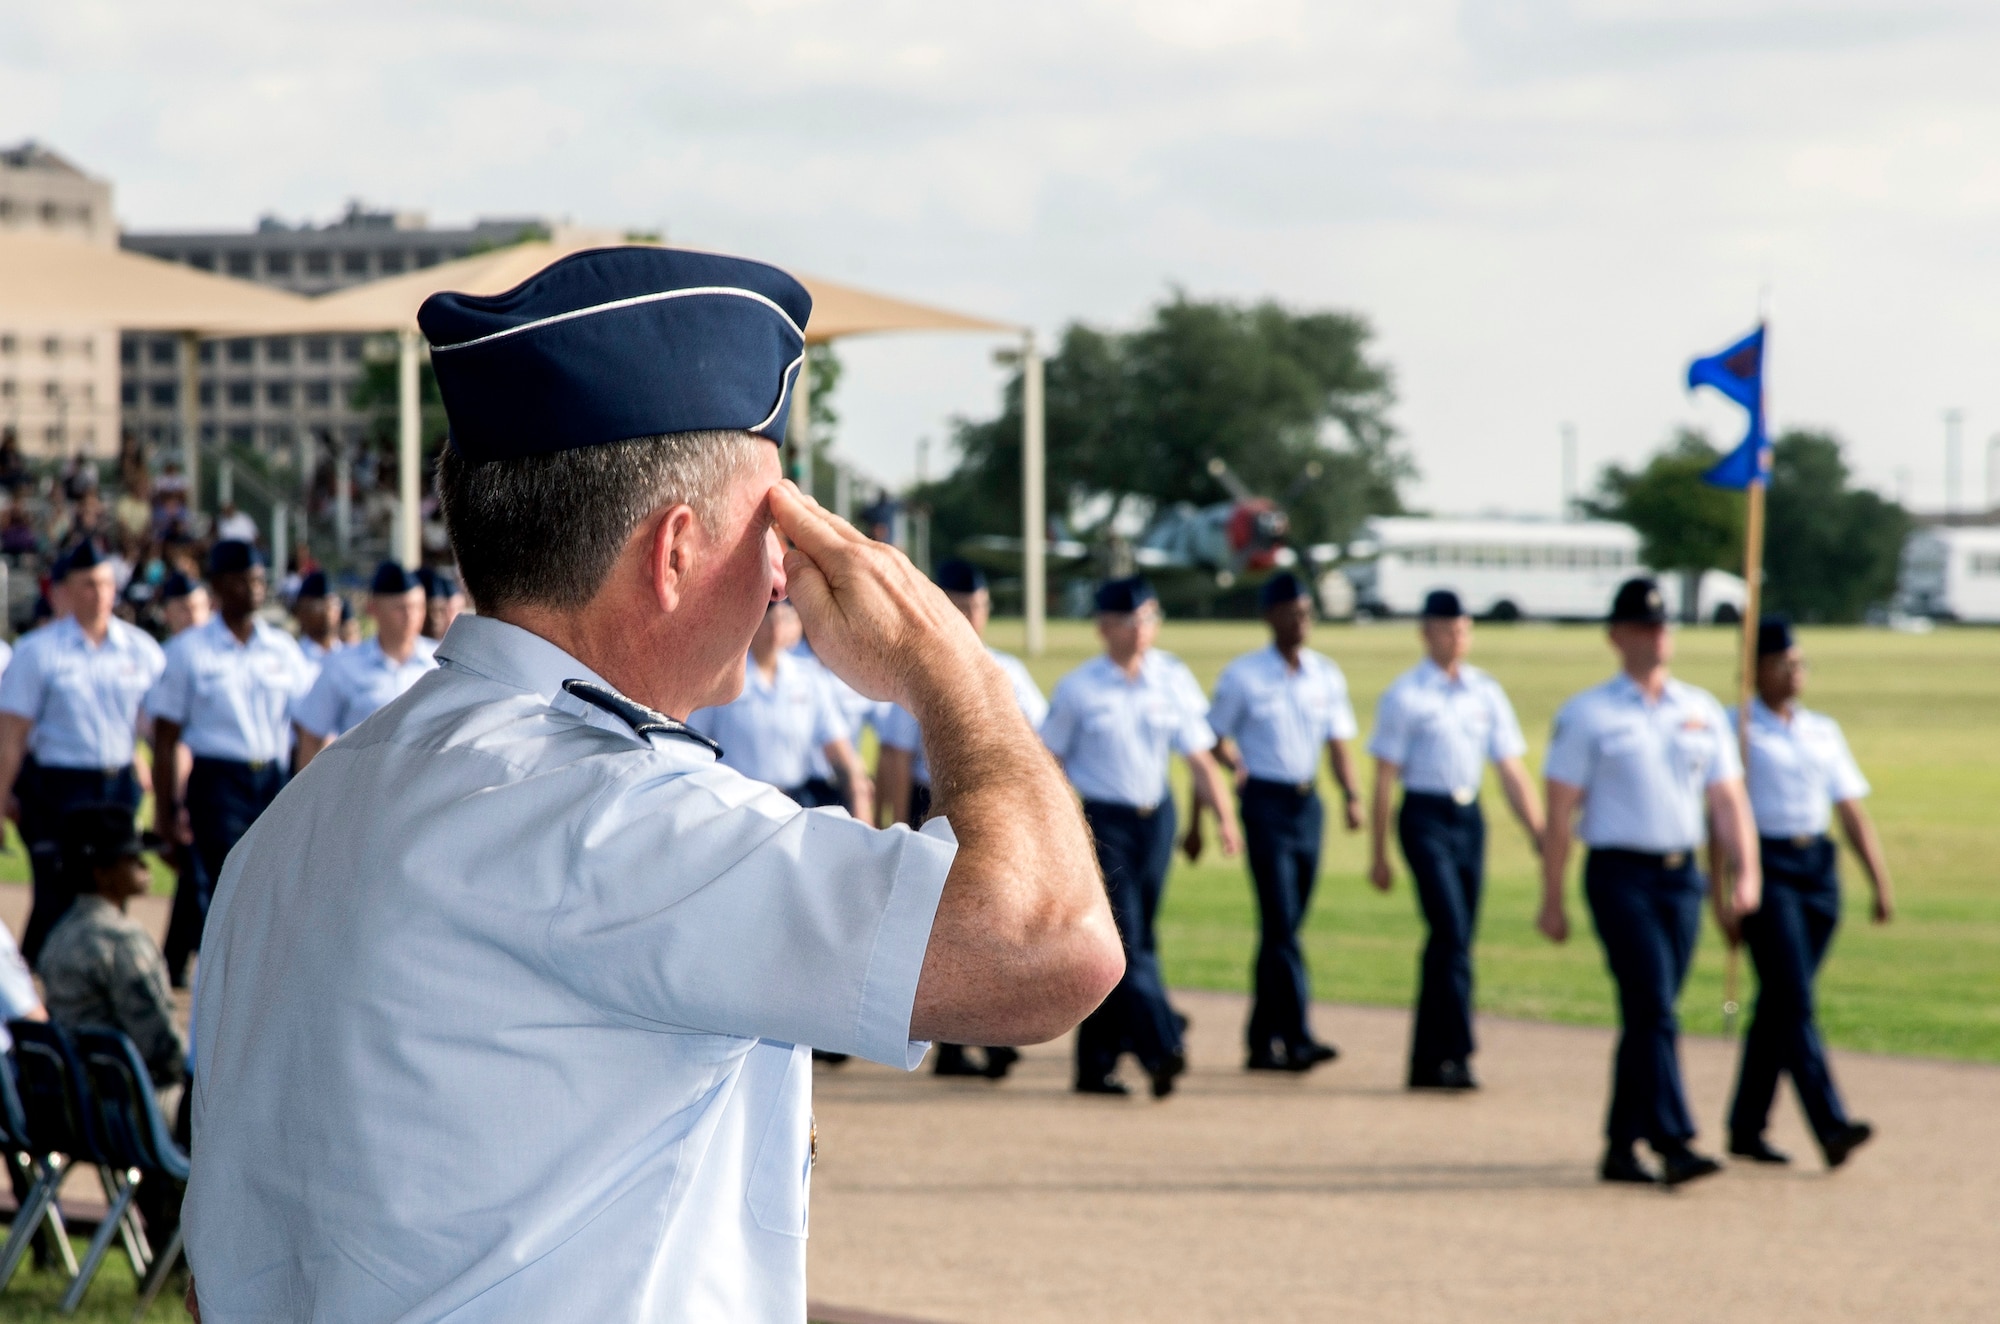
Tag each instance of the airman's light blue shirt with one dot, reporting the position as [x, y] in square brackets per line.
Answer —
[354, 682]
[232, 699]
[1799, 770]
[899, 729]
[83, 698]
[1113, 732]
[769, 732]
[1281, 719]
[1441, 732]
[1644, 767]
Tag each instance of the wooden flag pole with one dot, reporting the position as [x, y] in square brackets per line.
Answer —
[1753, 609]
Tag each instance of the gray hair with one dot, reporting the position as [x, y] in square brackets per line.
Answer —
[545, 530]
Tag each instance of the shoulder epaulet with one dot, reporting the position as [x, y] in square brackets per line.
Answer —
[643, 720]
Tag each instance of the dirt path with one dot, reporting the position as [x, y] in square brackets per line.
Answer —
[1341, 1197]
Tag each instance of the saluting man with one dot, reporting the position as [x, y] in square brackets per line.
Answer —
[1437, 726]
[1801, 773]
[521, 1036]
[69, 712]
[903, 777]
[354, 682]
[227, 692]
[1113, 722]
[1274, 711]
[785, 712]
[1650, 761]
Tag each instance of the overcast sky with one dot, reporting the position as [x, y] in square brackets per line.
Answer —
[1543, 207]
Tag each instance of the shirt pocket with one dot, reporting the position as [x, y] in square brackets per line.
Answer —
[780, 1187]
[1694, 753]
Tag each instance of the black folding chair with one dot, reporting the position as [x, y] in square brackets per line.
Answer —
[41, 1173]
[55, 1097]
[133, 1135]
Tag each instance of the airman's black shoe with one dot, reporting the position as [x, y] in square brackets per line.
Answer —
[1757, 1150]
[1845, 1142]
[1680, 1166]
[1622, 1165]
[1100, 1085]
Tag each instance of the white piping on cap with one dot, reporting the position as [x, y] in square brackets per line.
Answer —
[632, 302]
[784, 390]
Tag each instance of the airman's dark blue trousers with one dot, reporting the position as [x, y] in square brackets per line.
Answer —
[1647, 909]
[1788, 937]
[47, 795]
[223, 799]
[1134, 848]
[1444, 843]
[1282, 824]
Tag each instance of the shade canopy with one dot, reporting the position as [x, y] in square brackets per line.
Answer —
[391, 303]
[48, 281]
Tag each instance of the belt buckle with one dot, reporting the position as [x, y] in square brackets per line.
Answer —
[1303, 789]
[1674, 859]
[1803, 843]
[1146, 811]
[1463, 795]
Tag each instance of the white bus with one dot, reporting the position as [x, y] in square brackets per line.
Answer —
[1515, 569]
[1951, 574]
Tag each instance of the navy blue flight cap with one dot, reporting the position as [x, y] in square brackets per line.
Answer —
[1443, 604]
[1774, 635]
[437, 583]
[956, 576]
[1121, 595]
[83, 556]
[176, 585]
[312, 586]
[615, 343]
[1279, 589]
[1639, 603]
[391, 579]
[232, 556]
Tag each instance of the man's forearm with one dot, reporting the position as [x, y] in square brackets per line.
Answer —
[166, 776]
[1378, 810]
[1863, 840]
[13, 752]
[1562, 801]
[1343, 767]
[1520, 792]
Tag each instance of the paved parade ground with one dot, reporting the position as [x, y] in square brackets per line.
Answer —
[1338, 1196]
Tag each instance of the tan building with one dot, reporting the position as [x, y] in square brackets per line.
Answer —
[58, 384]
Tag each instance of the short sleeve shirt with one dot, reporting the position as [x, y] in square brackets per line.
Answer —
[856, 711]
[232, 700]
[899, 728]
[1441, 731]
[83, 698]
[535, 1044]
[17, 986]
[1799, 770]
[354, 682]
[1279, 718]
[1113, 733]
[1644, 767]
[769, 731]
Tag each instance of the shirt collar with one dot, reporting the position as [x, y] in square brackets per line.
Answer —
[1762, 714]
[218, 633]
[489, 647]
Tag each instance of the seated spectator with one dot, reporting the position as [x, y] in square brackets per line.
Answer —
[99, 966]
[232, 525]
[17, 532]
[13, 466]
[18, 1001]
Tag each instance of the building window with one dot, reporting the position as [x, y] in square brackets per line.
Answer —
[318, 349]
[278, 394]
[52, 390]
[242, 435]
[202, 259]
[207, 395]
[52, 436]
[163, 394]
[1986, 563]
[241, 351]
[52, 347]
[427, 257]
[207, 351]
[161, 351]
[241, 394]
[319, 394]
[128, 394]
[319, 264]
[278, 349]
[6, 344]
[128, 351]
[351, 348]
[278, 436]
[50, 213]
[242, 264]
[392, 262]
[277, 264]
[354, 264]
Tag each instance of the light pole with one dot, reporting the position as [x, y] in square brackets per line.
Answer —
[1953, 460]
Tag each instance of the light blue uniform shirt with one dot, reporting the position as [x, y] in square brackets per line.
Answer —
[1644, 768]
[1442, 732]
[354, 682]
[1798, 771]
[82, 698]
[899, 729]
[855, 710]
[232, 700]
[769, 731]
[1281, 719]
[522, 1035]
[1113, 734]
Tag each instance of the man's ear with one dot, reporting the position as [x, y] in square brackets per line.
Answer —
[674, 552]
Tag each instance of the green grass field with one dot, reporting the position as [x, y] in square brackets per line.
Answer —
[1921, 711]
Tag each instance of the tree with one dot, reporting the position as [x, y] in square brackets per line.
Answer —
[1832, 551]
[1138, 416]
[1685, 526]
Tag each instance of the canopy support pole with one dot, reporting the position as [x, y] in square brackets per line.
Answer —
[409, 452]
[191, 424]
[798, 428]
[1034, 499]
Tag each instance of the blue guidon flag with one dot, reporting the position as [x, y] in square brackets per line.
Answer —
[615, 343]
[1738, 372]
